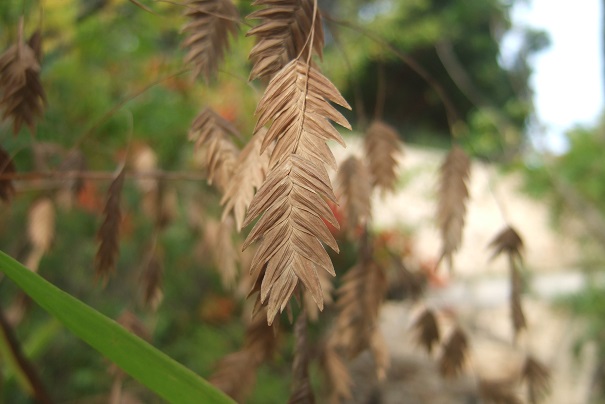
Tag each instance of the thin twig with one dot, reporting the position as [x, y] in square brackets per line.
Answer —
[103, 175]
[456, 71]
[360, 110]
[39, 391]
[450, 109]
[380, 92]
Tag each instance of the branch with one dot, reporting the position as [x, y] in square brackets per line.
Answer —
[450, 109]
[103, 175]
[27, 369]
[463, 81]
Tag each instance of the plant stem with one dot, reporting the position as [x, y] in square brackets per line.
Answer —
[26, 368]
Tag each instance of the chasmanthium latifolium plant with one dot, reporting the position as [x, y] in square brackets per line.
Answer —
[275, 187]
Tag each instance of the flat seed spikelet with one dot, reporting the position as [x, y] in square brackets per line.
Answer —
[509, 242]
[212, 21]
[151, 279]
[337, 374]
[359, 298]
[498, 392]
[454, 354]
[353, 189]
[219, 244]
[213, 133]
[22, 97]
[453, 196]
[382, 149]
[108, 235]
[282, 34]
[250, 171]
[311, 309]
[537, 377]
[427, 330]
[291, 200]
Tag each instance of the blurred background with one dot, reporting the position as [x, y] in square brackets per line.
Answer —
[517, 83]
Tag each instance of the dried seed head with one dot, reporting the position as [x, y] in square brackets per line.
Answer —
[537, 376]
[453, 196]
[509, 242]
[383, 149]
[211, 23]
[250, 171]
[497, 392]
[108, 234]
[354, 190]
[151, 279]
[338, 378]
[22, 97]
[282, 35]
[359, 298]
[291, 202]
[427, 330]
[454, 354]
[213, 133]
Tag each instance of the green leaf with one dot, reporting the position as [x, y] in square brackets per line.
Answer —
[148, 365]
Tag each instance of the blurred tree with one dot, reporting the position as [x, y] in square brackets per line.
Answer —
[458, 45]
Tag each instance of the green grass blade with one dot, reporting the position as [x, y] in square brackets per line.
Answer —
[148, 365]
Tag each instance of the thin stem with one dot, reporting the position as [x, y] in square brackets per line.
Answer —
[380, 93]
[102, 175]
[362, 119]
[309, 44]
[39, 391]
[450, 109]
[312, 34]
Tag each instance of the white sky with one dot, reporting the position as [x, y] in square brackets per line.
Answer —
[568, 76]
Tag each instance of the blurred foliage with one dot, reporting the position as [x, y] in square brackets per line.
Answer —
[114, 78]
[474, 30]
[590, 304]
[582, 168]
